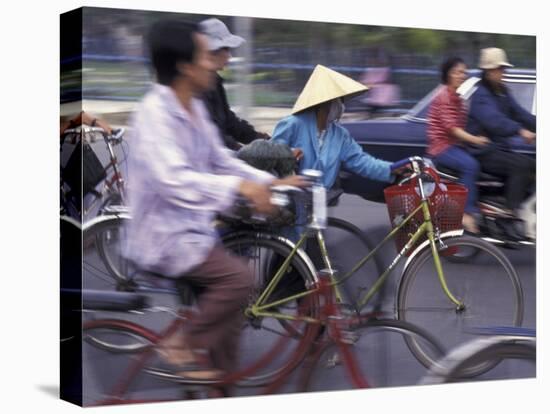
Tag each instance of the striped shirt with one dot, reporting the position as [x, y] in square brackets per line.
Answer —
[447, 111]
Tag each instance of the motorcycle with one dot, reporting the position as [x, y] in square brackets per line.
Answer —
[496, 224]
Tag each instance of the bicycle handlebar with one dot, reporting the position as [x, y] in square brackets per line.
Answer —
[401, 163]
[115, 135]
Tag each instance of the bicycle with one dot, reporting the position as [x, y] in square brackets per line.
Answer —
[494, 215]
[496, 343]
[112, 190]
[110, 230]
[452, 301]
[450, 304]
[123, 338]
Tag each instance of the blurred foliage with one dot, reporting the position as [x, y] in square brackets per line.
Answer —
[315, 38]
[283, 52]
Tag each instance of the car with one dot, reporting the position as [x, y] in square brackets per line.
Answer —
[396, 138]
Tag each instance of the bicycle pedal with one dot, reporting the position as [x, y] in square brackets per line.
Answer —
[349, 338]
[333, 361]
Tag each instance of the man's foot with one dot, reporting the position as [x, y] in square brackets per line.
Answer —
[175, 350]
[509, 229]
[184, 361]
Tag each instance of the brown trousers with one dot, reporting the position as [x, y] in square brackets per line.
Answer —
[225, 283]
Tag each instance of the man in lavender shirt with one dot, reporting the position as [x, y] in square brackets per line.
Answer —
[182, 176]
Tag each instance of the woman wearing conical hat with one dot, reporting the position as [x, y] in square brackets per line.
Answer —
[318, 140]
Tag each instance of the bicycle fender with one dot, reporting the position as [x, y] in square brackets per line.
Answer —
[103, 218]
[417, 251]
[71, 221]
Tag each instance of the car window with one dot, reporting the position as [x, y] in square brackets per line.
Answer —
[524, 93]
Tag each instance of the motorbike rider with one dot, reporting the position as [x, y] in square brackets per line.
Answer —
[494, 113]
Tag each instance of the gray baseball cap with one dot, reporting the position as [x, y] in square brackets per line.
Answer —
[219, 35]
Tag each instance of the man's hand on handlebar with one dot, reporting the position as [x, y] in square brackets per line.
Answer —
[292, 180]
[258, 195]
[527, 135]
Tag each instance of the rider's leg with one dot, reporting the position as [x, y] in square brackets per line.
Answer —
[468, 168]
[518, 172]
[517, 169]
[226, 282]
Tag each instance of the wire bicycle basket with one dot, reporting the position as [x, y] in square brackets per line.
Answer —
[446, 204]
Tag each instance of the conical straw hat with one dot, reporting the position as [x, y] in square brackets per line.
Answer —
[323, 85]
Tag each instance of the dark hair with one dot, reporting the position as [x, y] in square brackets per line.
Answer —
[446, 67]
[171, 42]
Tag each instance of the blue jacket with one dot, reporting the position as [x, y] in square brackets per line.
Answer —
[338, 149]
[497, 117]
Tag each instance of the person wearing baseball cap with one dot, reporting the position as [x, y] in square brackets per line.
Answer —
[494, 113]
[234, 130]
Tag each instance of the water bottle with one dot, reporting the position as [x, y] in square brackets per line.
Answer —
[319, 214]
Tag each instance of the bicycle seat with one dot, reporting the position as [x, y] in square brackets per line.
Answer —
[151, 279]
[112, 301]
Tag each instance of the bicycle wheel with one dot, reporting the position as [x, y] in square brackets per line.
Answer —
[281, 342]
[479, 351]
[113, 364]
[347, 245]
[106, 263]
[488, 286]
[381, 355]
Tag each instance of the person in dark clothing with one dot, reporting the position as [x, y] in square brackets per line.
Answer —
[234, 130]
[494, 113]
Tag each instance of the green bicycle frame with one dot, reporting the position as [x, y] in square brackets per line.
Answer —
[260, 308]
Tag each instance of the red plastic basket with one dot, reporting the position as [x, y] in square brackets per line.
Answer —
[446, 206]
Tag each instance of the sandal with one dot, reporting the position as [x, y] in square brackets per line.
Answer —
[185, 362]
[469, 223]
[172, 349]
